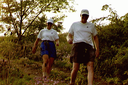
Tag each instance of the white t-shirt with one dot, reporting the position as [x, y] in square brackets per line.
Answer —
[46, 34]
[83, 32]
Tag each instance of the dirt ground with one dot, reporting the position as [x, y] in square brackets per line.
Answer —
[35, 70]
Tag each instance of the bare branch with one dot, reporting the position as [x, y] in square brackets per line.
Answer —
[30, 11]
[42, 9]
[21, 16]
[13, 22]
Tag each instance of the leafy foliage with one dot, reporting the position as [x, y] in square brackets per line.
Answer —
[111, 64]
[27, 17]
[113, 47]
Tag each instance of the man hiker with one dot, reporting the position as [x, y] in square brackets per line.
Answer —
[84, 37]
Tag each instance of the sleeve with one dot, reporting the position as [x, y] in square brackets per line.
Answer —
[56, 35]
[94, 31]
[71, 29]
[39, 35]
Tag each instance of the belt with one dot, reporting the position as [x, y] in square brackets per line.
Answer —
[47, 41]
[47, 45]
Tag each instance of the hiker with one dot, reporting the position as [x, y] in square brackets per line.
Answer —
[48, 51]
[83, 36]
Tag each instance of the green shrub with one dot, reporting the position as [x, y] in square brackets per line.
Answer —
[81, 78]
[63, 63]
[12, 75]
[64, 49]
[113, 43]
[121, 62]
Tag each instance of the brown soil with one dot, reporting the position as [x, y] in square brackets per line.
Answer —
[35, 71]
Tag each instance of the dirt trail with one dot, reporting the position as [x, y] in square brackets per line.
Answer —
[35, 70]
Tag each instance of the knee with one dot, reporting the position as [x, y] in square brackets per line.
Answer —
[45, 58]
[75, 69]
[45, 64]
[90, 66]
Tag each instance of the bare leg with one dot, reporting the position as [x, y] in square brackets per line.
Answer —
[74, 73]
[44, 66]
[50, 63]
[90, 72]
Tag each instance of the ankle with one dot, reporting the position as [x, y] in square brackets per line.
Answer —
[72, 83]
[90, 84]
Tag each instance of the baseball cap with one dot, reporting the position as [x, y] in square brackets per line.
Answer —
[50, 21]
[84, 11]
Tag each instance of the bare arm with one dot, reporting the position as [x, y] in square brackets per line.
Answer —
[35, 45]
[70, 38]
[96, 42]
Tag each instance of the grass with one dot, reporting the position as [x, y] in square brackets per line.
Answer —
[25, 68]
[24, 71]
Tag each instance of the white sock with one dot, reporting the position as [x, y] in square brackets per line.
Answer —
[44, 73]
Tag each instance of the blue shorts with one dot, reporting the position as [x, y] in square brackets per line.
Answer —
[48, 47]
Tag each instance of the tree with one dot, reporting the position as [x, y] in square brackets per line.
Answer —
[22, 15]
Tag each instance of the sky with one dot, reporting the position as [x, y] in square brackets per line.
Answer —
[94, 7]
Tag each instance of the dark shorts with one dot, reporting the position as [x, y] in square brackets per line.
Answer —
[82, 53]
[48, 47]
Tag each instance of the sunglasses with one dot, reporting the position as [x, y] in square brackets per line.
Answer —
[50, 23]
[85, 15]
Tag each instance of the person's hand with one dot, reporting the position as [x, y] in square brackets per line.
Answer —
[70, 41]
[69, 38]
[57, 44]
[33, 50]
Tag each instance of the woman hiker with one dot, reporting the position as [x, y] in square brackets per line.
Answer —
[48, 51]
